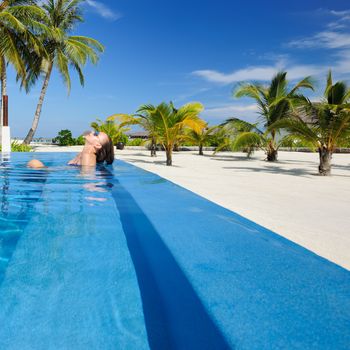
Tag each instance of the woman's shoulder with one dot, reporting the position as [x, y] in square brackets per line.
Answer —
[88, 159]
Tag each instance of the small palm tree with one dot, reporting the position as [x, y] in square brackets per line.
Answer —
[146, 120]
[115, 131]
[171, 123]
[274, 102]
[322, 126]
[235, 133]
[165, 124]
[200, 137]
[63, 50]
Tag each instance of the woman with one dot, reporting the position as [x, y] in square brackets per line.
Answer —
[98, 148]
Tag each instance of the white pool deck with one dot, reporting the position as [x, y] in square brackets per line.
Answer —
[287, 197]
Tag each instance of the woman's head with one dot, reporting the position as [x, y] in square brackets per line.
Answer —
[103, 146]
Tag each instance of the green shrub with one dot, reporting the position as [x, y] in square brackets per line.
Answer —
[64, 138]
[80, 141]
[18, 147]
[122, 138]
[135, 142]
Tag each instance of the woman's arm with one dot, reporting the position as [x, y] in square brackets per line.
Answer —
[85, 158]
[76, 160]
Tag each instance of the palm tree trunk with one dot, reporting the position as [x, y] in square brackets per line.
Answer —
[169, 155]
[3, 85]
[271, 153]
[35, 123]
[153, 148]
[201, 150]
[324, 168]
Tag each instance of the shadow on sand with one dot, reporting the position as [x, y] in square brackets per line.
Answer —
[150, 161]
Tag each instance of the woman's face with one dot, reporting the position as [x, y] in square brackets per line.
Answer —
[95, 139]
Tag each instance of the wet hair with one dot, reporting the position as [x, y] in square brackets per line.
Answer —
[106, 152]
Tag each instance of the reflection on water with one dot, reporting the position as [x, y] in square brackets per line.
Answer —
[70, 283]
[20, 188]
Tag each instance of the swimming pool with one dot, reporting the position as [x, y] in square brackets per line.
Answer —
[123, 259]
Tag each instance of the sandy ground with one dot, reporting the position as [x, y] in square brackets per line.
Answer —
[287, 197]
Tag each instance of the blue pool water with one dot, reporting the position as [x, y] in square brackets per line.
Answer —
[123, 259]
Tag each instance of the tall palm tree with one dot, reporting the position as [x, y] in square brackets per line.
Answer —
[274, 102]
[324, 125]
[17, 41]
[63, 50]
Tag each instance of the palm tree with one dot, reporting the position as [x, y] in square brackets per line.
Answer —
[324, 125]
[17, 18]
[235, 136]
[170, 123]
[63, 50]
[173, 123]
[115, 131]
[200, 137]
[274, 102]
[147, 121]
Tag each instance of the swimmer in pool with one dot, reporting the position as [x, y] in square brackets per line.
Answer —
[35, 164]
[98, 148]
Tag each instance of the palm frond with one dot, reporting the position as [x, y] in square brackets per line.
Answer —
[247, 139]
[306, 83]
[278, 86]
[239, 125]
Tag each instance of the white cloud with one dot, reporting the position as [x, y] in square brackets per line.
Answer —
[251, 73]
[336, 25]
[344, 15]
[103, 10]
[336, 37]
[259, 73]
[342, 66]
[325, 39]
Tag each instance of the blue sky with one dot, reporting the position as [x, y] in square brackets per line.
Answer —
[190, 51]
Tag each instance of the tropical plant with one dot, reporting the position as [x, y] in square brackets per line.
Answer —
[17, 41]
[63, 50]
[165, 124]
[322, 126]
[171, 123]
[64, 138]
[80, 140]
[234, 127]
[147, 121]
[18, 147]
[219, 139]
[117, 132]
[274, 102]
[136, 142]
[200, 137]
[123, 138]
